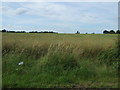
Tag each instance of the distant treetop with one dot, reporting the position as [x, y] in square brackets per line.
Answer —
[111, 32]
[77, 32]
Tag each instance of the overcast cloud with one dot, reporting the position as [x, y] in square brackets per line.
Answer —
[60, 16]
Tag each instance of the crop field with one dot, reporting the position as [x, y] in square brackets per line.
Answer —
[59, 60]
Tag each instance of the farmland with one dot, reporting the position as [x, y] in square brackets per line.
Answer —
[60, 60]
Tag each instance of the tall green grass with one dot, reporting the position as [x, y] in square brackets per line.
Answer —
[60, 60]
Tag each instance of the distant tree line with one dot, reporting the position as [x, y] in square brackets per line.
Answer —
[42, 32]
[111, 32]
[105, 32]
[25, 31]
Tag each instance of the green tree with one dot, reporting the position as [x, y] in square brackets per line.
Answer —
[112, 32]
[105, 32]
[118, 32]
[78, 32]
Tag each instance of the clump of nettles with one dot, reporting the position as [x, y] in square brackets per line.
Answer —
[67, 61]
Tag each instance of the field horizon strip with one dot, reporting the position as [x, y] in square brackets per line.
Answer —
[60, 60]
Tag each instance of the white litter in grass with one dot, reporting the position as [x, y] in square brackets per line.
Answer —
[21, 63]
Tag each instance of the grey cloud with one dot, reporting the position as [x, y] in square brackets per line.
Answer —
[5, 8]
[20, 11]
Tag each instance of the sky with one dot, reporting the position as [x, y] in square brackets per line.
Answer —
[62, 17]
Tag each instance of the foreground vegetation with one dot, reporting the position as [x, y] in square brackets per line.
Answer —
[60, 60]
